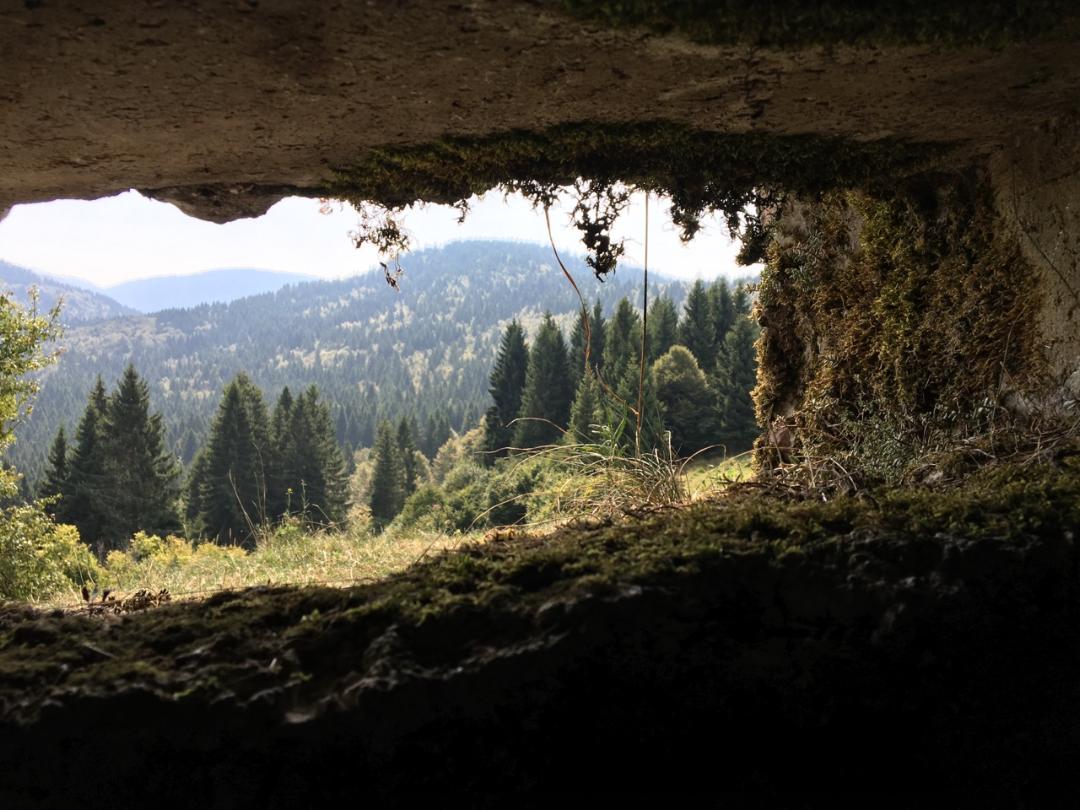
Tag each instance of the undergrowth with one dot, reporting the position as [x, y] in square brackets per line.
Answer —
[894, 328]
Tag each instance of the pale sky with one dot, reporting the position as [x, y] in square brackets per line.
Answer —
[128, 236]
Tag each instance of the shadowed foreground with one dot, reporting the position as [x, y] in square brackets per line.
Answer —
[912, 643]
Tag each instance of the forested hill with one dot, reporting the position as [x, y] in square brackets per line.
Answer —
[425, 350]
[222, 285]
[80, 304]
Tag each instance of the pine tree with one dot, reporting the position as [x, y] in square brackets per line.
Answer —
[621, 415]
[407, 451]
[736, 377]
[387, 491]
[740, 300]
[545, 405]
[142, 473]
[684, 396]
[585, 412]
[83, 494]
[278, 496]
[314, 467]
[622, 341]
[229, 477]
[696, 328]
[663, 327]
[57, 473]
[596, 322]
[721, 311]
[507, 387]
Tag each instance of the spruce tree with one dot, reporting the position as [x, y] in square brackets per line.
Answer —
[696, 328]
[740, 300]
[387, 478]
[663, 327]
[735, 379]
[142, 473]
[545, 405]
[314, 467]
[596, 322]
[585, 411]
[622, 341]
[407, 451]
[230, 474]
[82, 498]
[57, 473]
[279, 498]
[507, 387]
[721, 311]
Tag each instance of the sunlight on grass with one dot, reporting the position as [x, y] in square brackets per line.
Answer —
[291, 555]
[708, 474]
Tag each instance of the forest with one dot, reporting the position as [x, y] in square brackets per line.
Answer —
[374, 353]
[668, 383]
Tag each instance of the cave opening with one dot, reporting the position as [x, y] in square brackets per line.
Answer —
[886, 614]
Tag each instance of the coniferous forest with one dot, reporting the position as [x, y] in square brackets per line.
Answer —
[381, 419]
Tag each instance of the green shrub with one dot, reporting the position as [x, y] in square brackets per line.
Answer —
[38, 558]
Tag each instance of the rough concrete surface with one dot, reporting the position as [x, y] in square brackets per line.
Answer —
[224, 107]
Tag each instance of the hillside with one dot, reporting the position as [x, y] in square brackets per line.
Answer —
[372, 351]
[81, 304]
[212, 286]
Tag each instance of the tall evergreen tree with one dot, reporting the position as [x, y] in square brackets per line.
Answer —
[545, 405]
[314, 468]
[82, 501]
[585, 411]
[622, 341]
[663, 327]
[507, 387]
[142, 472]
[278, 496]
[407, 450]
[696, 328]
[387, 490]
[740, 300]
[721, 312]
[230, 474]
[735, 379]
[57, 473]
[597, 323]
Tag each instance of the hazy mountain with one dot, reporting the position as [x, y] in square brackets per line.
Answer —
[80, 304]
[373, 351]
[209, 287]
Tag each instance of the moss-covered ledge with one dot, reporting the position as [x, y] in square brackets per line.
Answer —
[910, 639]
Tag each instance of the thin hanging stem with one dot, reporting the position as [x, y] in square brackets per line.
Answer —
[644, 334]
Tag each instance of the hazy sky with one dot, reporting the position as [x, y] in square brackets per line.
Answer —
[129, 236]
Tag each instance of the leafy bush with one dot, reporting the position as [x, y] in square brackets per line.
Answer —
[39, 558]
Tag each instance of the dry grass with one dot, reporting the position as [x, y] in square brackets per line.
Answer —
[289, 556]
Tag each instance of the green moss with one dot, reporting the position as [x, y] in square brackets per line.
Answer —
[892, 321]
[698, 170]
[793, 23]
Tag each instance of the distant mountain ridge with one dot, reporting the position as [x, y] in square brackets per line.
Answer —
[221, 286]
[80, 304]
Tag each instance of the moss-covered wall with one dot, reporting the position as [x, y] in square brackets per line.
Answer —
[893, 325]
